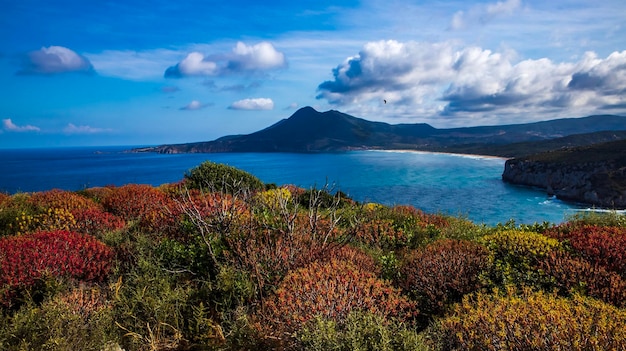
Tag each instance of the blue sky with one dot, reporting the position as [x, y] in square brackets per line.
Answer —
[138, 72]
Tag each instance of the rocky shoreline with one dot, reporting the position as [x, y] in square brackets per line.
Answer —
[600, 183]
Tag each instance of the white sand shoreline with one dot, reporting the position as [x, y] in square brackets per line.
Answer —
[440, 152]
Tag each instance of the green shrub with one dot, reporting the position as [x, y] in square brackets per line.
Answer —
[80, 319]
[533, 321]
[361, 331]
[220, 177]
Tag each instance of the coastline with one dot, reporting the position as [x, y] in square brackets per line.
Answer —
[441, 152]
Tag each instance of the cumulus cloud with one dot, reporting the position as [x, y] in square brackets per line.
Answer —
[481, 14]
[55, 59]
[194, 105]
[9, 126]
[431, 79]
[253, 104]
[243, 58]
[74, 129]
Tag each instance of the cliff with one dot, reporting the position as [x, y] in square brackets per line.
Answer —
[594, 175]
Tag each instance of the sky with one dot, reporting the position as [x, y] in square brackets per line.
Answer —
[139, 72]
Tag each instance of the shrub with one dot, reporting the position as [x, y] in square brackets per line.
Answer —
[220, 177]
[4, 197]
[274, 199]
[150, 207]
[270, 250]
[361, 331]
[395, 227]
[515, 255]
[24, 260]
[331, 290]
[48, 220]
[154, 310]
[79, 319]
[62, 199]
[443, 272]
[574, 274]
[96, 222]
[603, 245]
[533, 321]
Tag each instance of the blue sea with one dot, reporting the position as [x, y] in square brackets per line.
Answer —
[468, 186]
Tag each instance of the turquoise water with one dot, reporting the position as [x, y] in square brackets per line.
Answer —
[469, 186]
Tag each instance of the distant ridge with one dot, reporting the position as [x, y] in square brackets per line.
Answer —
[308, 130]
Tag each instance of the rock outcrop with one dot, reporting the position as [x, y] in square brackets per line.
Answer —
[594, 176]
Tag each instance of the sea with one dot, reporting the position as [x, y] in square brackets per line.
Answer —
[452, 184]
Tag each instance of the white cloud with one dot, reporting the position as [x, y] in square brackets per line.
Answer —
[262, 56]
[9, 126]
[253, 104]
[74, 129]
[55, 59]
[437, 79]
[481, 14]
[194, 105]
[243, 58]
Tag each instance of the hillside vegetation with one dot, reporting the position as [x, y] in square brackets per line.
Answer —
[308, 130]
[221, 261]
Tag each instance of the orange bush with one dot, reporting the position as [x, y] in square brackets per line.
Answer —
[4, 197]
[443, 272]
[331, 290]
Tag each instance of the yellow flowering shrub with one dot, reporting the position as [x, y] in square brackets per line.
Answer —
[50, 220]
[274, 198]
[532, 321]
[515, 255]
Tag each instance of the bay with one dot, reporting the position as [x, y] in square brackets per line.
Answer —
[468, 186]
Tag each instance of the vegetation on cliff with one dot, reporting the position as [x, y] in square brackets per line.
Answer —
[221, 261]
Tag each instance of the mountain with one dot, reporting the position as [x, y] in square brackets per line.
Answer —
[308, 130]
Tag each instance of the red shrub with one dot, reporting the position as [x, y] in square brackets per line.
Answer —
[331, 290]
[605, 246]
[443, 272]
[575, 274]
[24, 260]
[152, 208]
[96, 222]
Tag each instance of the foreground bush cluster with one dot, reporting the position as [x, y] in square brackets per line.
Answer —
[221, 261]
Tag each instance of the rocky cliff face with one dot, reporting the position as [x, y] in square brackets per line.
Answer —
[601, 183]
